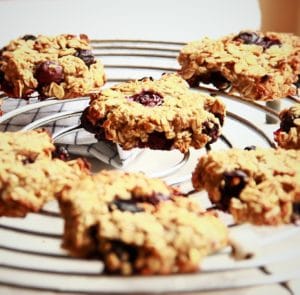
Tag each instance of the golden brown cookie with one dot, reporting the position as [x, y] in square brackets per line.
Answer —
[256, 65]
[260, 186]
[60, 66]
[138, 225]
[160, 114]
[29, 175]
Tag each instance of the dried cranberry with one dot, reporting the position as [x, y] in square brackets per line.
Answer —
[247, 37]
[158, 141]
[211, 129]
[267, 42]
[234, 183]
[125, 205]
[48, 72]
[147, 98]
[86, 56]
[61, 153]
[29, 37]
[253, 38]
[287, 122]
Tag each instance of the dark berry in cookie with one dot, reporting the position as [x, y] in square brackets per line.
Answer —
[48, 72]
[267, 42]
[147, 98]
[86, 56]
[253, 38]
[125, 205]
[247, 37]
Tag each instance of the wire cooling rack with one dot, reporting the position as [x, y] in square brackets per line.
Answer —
[30, 253]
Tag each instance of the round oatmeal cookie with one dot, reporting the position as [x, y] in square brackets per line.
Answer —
[160, 114]
[288, 135]
[261, 186]
[255, 65]
[29, 174]
[60, 66]
[137, 225]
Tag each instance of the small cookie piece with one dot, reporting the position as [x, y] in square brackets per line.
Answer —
[29, 176]
[163, 114]
[258, 186]
[256, 65]
[137, 225]
[60, 66]
[288, 135]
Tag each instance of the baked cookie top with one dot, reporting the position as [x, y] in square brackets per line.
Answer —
[138, 225]
[29, 175]
[62, 66]
[27, 145]
[160, 114]
[288, 135]
[256, 65]
[258, 186]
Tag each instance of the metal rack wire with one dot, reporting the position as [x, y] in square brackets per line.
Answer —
[30, 252]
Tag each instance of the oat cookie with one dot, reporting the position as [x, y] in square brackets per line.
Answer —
[29, 175]
[160, 114]
[288, 135]
[137, 225]
[260, 186]
[60, 66]
[256, 65]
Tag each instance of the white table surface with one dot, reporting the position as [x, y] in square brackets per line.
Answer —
[167, 20]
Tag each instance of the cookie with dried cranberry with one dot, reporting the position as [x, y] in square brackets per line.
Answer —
[255, 65]
[255, 185]
[137, 225]
[29, 175]
[160, 114]
[60, 66]
[288, 135]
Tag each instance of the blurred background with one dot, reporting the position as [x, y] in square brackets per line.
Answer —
[167, 20]
[280, 15]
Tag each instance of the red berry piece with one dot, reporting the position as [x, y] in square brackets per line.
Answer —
[48, 72]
